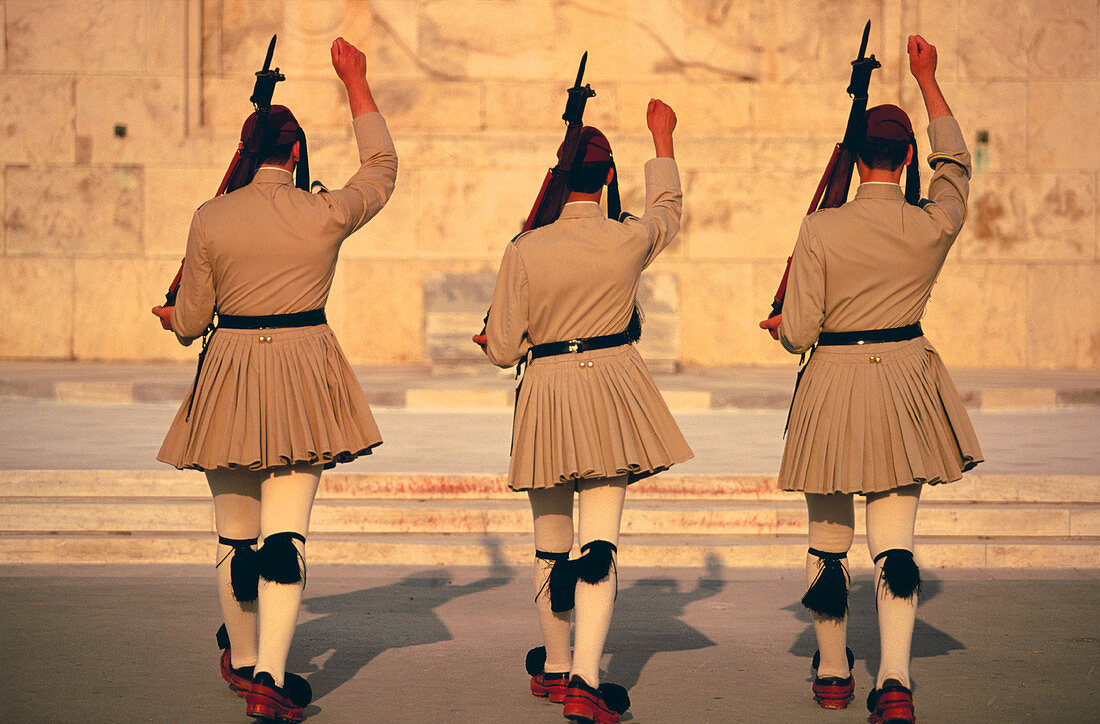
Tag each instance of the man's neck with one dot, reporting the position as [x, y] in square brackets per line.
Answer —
[578, 196]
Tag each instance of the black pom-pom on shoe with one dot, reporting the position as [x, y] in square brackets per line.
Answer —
[615, 696]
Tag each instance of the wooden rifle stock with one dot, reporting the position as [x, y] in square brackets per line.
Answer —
[832, 190]
[245, 160]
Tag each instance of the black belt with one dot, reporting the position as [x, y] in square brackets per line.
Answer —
[310, 318]
[572, 346]
[870, 336]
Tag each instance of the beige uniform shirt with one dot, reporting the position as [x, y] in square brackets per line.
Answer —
[270, 247]
[871, 263]
[578, 277]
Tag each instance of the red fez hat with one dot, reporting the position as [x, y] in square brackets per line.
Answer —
[889, 123]
[592, 147]
[282, 128]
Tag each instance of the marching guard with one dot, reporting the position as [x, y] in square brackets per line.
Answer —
[875, 412]
[275, 400]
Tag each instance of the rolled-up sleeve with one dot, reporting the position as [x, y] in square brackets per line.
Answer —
[506, 328]
[804, 303]
[194, 308]
[664, 202]
[950, 185]
[368, 190]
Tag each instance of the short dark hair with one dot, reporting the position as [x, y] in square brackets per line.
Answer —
[587, 178]
[277, 155]
[882, 153]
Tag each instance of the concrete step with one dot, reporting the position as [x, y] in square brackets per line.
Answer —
[169, 483]
[642, 517]
[516, 550]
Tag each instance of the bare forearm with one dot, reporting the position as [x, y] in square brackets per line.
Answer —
[662, 145]
[934, 101]
[360, 98]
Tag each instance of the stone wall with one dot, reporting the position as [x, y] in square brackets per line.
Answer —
[121, 115]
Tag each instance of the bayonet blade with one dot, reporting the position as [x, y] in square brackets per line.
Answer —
[271, 52]
[580, 72]
[862, 45]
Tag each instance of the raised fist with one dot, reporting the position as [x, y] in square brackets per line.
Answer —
[349, 61]
[922, 58]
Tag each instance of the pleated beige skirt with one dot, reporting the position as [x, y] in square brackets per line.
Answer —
[868, 418]
[261, 404]
[591, 415]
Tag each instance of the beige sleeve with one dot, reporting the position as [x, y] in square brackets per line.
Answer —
[950, 185]
[804, 303]
[368, 190]
[663, 204]
[506, 328]
[194, 308]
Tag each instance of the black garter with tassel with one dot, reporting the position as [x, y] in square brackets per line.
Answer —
[828, 594]
[278, 559]
[536, 660]
[243, 572]
[900, 572]
[593, 566]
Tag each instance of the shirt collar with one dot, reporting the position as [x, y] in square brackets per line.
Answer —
[580, 209]
[879, 190]
[272, 174]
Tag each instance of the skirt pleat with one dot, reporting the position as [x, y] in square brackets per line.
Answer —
[260, 404]
[874, 417]
[575, 422]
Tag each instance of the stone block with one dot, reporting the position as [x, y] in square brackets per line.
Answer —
[1033, 217]
[975, 316]
[473, 214]
[36, 307]
[39, 114]
[74, 210]
[701, 107]
[801, 110]
[938, 23]
[149, 111]
[391, 234]
[111, 317]
[391, 41]
[380, 319]
[1059, 117]
[659, 297]
[537, 106]
[1062, 40]
[95, 392]
[166, 25]
[1084, 522]
[991, 35]
[454, 307]
[1063, 318]
[238, 32]
[993, 107]
[64, 36]
[458, 399]
[743, 215]
[522, 150]
[1019, 399]
[172, 195]
[714, 298]
[450, 107]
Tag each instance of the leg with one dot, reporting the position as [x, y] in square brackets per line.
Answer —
[552, 509]
[286, 502]
[236, 517]
[832, 526]
[890, 520]
[600, 508]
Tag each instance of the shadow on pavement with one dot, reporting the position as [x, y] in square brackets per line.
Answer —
[355, 627]
[647, 621]
[863, 638]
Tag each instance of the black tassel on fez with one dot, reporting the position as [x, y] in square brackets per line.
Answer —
[278, 559]
[900, 572]
[828, 594]
[243, 575]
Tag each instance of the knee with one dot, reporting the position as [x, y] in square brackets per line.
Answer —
[900, 573]
[278, 560]
[243, 572]
[828, 594]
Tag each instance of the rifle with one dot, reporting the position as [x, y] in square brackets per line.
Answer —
[553, 193]
[832, 191]
[246, 159]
